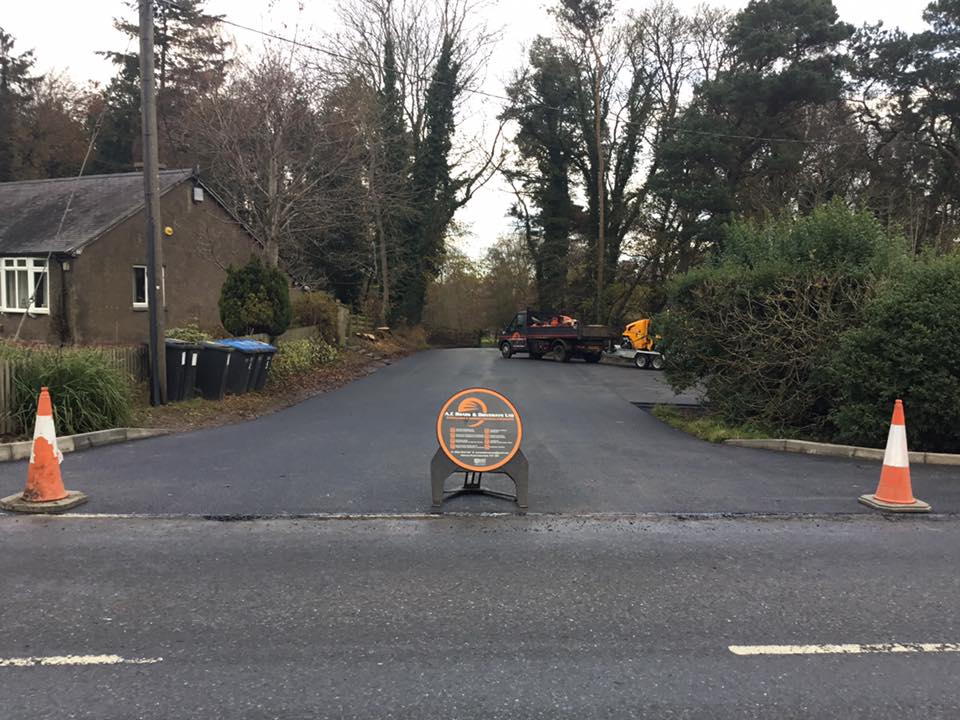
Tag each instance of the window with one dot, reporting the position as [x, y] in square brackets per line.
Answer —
[140, 286]
[25, 286]
[140, 299]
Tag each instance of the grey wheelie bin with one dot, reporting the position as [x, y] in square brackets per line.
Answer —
[257, 356]
[213, 365]
[181, 369]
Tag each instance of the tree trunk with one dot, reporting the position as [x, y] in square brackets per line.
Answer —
[601, 184]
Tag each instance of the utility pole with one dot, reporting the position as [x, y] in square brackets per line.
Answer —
[151, 194]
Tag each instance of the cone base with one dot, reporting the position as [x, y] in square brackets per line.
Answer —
[917, 506]
[16, 503]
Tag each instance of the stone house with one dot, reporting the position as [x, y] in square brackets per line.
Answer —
[85, 282]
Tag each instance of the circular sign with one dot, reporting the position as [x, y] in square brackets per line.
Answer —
[479, 430]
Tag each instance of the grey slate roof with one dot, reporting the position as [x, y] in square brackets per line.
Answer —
[30, 210]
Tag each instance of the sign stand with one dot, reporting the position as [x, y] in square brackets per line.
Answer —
[479, 432]
[441, 467]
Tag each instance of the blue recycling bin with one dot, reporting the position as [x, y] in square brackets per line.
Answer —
[255, 360]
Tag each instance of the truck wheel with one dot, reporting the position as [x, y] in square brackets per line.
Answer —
[657, 362]
[560, 353]
[640, 360]
[506, 350]
[593, 357]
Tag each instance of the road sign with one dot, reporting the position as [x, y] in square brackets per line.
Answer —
[479, 430]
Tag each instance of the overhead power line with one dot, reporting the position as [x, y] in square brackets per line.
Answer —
[496, 96]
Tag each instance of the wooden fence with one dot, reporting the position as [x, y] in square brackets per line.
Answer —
[133, 361]
[361, 323]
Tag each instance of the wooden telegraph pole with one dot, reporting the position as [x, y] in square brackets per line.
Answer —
[151, 193]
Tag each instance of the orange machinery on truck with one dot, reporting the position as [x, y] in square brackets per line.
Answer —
[538, 333]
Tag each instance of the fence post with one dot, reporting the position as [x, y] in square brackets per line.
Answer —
[343, 324]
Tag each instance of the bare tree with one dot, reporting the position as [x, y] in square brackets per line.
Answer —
[258, 138]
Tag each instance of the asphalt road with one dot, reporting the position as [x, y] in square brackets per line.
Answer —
[482, 618]
[366, 448]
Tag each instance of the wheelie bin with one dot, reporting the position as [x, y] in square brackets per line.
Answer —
[213, 365]
[181, 369]
[265, 354]
[241, 366]
[257, 356]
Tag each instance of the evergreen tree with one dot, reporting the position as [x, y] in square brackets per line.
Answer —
[913, 87]
[741, 145]
[190, 63]
[433, 191]
[16, 88]
[255, 299]
[388, 177]
[542, 105]
[119, 140]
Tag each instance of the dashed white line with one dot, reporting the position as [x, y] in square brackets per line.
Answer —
[75, 660]
[845, 649]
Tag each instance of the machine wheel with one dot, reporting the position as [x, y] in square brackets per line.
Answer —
[657, 362]
[560, 353]
[506, 350]
[593, 357]
[640, 360]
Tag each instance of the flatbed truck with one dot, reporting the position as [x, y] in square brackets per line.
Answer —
[538, 333]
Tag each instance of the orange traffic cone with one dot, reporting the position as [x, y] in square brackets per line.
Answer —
[894, 493]
[44, 492]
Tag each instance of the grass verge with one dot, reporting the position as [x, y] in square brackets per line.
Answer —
[705, 426]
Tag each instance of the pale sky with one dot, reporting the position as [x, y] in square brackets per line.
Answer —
[66, 34]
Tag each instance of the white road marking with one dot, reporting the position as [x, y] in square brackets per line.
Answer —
[847, 649]
[76, 660]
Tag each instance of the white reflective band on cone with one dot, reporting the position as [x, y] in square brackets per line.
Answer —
[45, 429]
[896, 453]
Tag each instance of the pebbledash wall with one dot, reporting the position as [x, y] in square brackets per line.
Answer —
[92, 294]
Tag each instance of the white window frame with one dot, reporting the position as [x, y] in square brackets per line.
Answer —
[146, 290]
[163, 288]
[33, 266]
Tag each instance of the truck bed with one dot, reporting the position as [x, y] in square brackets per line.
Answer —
[581, 332]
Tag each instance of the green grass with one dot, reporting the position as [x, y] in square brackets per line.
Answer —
[705, 426]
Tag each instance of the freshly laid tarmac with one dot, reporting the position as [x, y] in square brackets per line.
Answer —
[366, 448]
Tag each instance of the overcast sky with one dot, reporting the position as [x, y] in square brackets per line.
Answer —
[66, 34]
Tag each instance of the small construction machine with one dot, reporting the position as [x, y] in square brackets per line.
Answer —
[637, 344]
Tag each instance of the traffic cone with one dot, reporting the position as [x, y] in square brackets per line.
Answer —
[44, 492]
[894, 493]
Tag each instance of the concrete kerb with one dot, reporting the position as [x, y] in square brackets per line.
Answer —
[82, 441]
[807, 447]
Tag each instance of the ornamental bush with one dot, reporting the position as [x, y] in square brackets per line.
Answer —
[255, 299]
[907, 347]
[298, 357]
[88, 393]
[188, 333]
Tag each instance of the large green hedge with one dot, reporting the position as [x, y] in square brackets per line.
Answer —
[908, 346]
[754, 327]
[255, 299]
